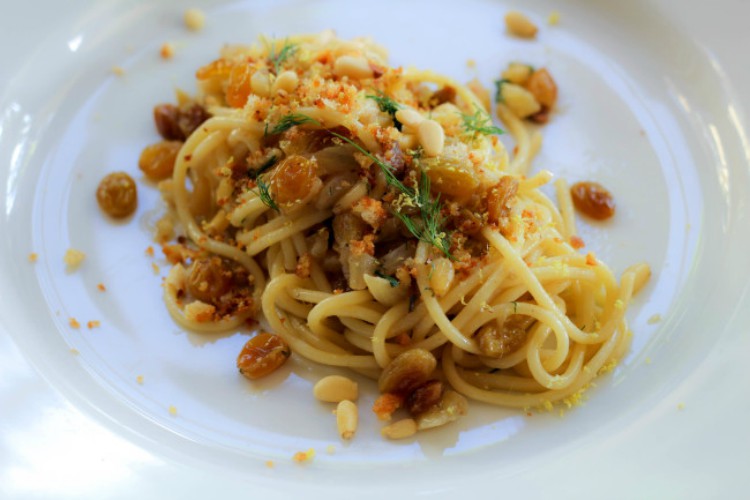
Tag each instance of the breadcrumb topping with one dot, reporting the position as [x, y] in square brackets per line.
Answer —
[33, 257]
[74, 323]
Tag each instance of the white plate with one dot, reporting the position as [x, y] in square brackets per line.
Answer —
[649, 106]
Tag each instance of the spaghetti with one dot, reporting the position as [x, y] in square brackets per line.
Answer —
[367, 211]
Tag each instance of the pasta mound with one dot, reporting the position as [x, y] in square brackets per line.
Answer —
[364, 211]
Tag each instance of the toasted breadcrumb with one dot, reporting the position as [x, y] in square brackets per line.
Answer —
[93, 324]
[117, 70]
[33, 257]
[554, 18]
[167, 50]
[101, 287]
[73, 259]
[74, 323]
[139, 379]
[172, 410]
[304, 456]
[195, 19]
[270, 464]
[654, 319]
[155, 268]
[74, 351]
[150, 251]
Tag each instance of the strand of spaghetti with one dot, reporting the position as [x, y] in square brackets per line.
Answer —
[565, 203]
[190, 224]
[535, 288]
[433, 307]
[255, 246]
[298, 346]
[331, 307]
[382, 330]
[527, 144]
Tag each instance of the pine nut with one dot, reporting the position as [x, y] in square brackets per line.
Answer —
[432, 137]
[347, 417]
[194, 19]
[442, 276]
[335, 388]
[260, 84]
[354, 67]
[520, 101]
[409, 117]
[401, 429]
[520, 25]
[286, 81]
[517, 73]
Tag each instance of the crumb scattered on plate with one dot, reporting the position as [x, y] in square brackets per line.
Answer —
[101, 287]
[648, 361]
[74, 351]
[554, 18]
[654, 319]
[150, 251]
[118, 70]
[74, 323]
[172, 410]
[155, 268]
[304, 456]
[93, 324]
[195, 19]
[681, 406]
[139, 379]
[471, 63]
[73, 259]
[33, 257]
[330, 449]
[167, 50]
[270, 464]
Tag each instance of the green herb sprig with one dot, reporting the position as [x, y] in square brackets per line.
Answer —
[392, 280]
[387, 105]
[265, 195]
[479, 123]
[288, 121]
[270, 162]
[430, 229]
[287, 50]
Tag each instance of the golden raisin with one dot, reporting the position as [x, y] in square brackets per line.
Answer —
[593, 200]
[208, 279]
[262, 355]
[239, 88]
[424, 397]
[219, 68]
[157, 160]
[499, 199]
[293, 179]
[543, 88]
[117, 195]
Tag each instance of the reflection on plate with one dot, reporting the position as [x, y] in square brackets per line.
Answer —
[643, 109]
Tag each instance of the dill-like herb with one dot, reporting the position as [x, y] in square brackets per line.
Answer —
[270, 162]
[392, 280]
[479, 123]
[265, 195]
[430, 230]
[499, 89]
[287, 50]
[387, 105]
[288, 121]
